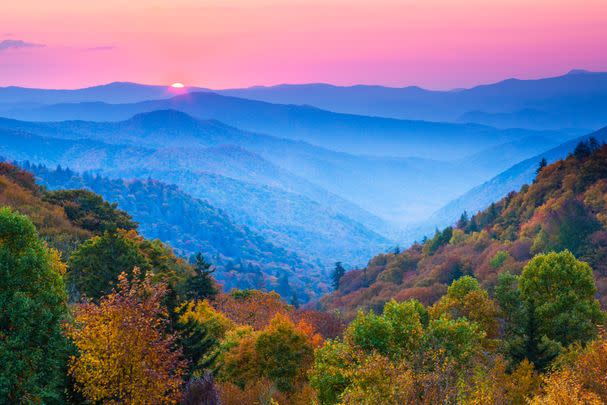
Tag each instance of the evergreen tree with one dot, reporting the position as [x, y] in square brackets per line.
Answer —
[197, 346]
[543, 163]
[337, 274]
[295, 300]
[582, 150]
[33, 350]
[463, 221]
[201, 285]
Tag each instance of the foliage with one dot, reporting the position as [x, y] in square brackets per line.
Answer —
[125, 354]
[95, 265]
[560, 291]
[89, 211]
[33, 351]
[563, 209]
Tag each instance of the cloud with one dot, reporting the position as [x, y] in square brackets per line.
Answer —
[17, 44]
[101, 48]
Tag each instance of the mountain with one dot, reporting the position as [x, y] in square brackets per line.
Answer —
[564, 208]
[511, 179]
[574, 100]
[354, 134]
[319, 233]
[351, 184]
[117, 92]
[242, 258]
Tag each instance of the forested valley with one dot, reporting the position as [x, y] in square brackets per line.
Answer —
[504, 307]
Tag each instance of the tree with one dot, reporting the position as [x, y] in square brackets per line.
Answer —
[543, 163]
[197, 344]
[201, 391]
[33, 351]
[126, 354]
[96, 264]
[329, 375]
[337, 274]
[465, 298]
[284, 353]
[550, 306]
[377, 380]
[560, 291]
[582, 150]
[201, 285]
[463, 221]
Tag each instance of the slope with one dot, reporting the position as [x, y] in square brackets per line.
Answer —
[564, 208]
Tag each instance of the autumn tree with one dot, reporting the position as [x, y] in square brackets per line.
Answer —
[284, 353]
[465, 298]
[125, 354]
[33, 350]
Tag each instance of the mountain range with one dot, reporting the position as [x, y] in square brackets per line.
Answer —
[572, 100]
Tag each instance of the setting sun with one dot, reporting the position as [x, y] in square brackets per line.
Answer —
[177, 85]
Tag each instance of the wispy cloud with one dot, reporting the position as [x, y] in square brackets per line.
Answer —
[100, 48]
[17, 44]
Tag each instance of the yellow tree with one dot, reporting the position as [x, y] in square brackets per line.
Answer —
[125, 354]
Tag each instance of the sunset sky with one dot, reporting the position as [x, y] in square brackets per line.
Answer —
[437, 44]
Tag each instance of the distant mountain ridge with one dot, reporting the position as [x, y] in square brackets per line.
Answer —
[576, 99]
[267, 199]
[354, 134]
[425, 184]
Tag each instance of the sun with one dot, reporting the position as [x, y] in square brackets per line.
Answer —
[177, 85]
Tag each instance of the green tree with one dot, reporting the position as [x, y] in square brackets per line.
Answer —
[201, 285]
[550, 306]
[95, 266]
[198, 346]
[560, 290]
[337, 274]
[371, 332]
[283, 351]
[33, 351]
[330, 376]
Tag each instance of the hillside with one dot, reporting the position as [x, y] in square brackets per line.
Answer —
[290, 219]
[242, 258]
[348, 183]
[513, 178]
[564, 208]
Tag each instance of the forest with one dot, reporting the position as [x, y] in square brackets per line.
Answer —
[504, 307]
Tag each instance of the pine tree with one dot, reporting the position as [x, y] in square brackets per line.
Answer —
[337, 274]
[543, 163]
[202, 285]
[463, 221]
[197, 345]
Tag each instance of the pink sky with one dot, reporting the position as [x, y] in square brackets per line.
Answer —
[437, 44]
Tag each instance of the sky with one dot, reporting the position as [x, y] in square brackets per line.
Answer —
[436, 44]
